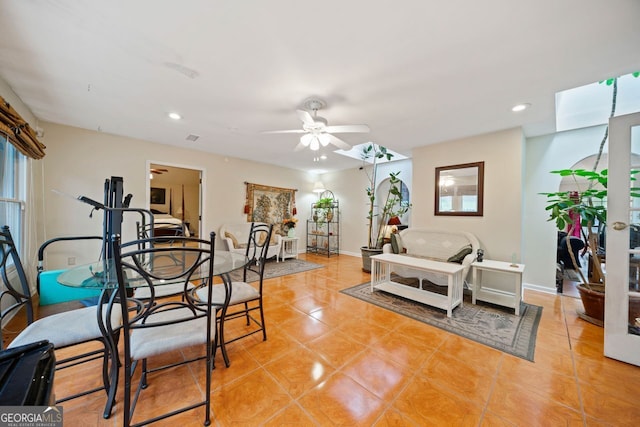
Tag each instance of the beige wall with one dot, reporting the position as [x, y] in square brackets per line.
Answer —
[78, 162]
[499, 229]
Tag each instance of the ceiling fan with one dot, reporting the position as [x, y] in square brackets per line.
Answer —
[158, 171]
[316, 130]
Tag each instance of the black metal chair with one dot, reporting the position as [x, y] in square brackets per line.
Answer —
[245, 298]
[63, 330]
[145, 234]
[158, 325]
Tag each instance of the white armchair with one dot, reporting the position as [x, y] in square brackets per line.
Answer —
[236, 236]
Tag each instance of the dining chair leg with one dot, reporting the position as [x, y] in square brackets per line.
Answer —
[113, 383]
[264, 328]
[223, 347]
[207, 405]
[246, 313]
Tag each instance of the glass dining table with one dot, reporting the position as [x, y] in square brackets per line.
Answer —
[102, 275]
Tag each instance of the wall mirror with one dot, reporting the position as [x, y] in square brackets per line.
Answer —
[459, 189]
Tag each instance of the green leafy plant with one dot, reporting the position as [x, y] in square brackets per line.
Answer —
[589, 205]
[392, 206]
[373, 153]
[323, 210]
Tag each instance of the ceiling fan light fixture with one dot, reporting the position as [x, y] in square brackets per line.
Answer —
[324, 139]
[315, 144]
[306, 139]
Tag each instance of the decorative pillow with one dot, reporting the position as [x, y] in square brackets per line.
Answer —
[396, 244]
[263, 236]
[233, 239]
[459, 256]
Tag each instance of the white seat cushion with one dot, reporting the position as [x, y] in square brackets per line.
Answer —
[69, 327]
[240, 292]
[162, 339]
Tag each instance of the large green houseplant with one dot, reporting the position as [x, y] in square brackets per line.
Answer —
[588, 204]
[371, 155]
[584, 208]
[581, 209]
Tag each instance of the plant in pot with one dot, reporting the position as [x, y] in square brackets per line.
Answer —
[323, 210]
[392, 207]
[584, 209]
[373, 153]
[289, 225]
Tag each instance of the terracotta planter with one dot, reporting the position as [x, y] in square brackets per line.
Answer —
[593, 302]
[366, 257]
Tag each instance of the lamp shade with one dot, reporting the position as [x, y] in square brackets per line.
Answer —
[394, 220]
[318, 187]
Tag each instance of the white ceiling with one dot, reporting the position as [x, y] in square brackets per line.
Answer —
[416, 71]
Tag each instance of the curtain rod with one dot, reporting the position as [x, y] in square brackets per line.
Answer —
[271, 186]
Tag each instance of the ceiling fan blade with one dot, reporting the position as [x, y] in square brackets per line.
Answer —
[348, 129]
[284, 131]
[338, 142]
[305, 117]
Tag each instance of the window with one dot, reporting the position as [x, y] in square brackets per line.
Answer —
[13, 179]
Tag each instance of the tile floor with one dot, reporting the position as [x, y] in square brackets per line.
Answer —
[331, 360]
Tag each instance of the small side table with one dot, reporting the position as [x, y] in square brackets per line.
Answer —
[497, 296]
[289, 248]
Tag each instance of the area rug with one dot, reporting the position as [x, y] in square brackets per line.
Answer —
[487, 324]
[276, 269]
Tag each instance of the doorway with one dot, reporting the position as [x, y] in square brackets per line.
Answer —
[176, 191]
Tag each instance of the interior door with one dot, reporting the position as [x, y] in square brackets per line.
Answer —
[622, 296]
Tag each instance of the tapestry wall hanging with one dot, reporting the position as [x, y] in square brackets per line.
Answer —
[270, 205]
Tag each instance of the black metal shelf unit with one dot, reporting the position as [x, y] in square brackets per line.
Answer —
[323, 229]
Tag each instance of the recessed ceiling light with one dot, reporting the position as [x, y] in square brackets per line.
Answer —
[175, 116]
[520, 107]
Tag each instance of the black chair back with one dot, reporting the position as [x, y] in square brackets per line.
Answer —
[257, 248]
[16, 286]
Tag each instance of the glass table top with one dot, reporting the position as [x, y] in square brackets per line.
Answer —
[101, 274]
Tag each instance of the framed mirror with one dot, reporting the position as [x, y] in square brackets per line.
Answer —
[459, 189]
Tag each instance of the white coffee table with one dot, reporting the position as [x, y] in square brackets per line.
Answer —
[381, 266]
[497, 296]
[289, 248]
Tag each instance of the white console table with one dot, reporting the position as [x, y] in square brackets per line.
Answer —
[498, 296]
[381, 266]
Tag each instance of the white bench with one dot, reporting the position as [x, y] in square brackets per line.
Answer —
[438, 245]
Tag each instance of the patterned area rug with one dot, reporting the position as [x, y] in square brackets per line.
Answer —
[277, 269]
[484, 323]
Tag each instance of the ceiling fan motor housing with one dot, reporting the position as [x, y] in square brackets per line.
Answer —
[314, 104]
